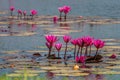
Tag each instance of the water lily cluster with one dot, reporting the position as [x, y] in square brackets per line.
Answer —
[24, 14]
[82, 43]
[64, 9]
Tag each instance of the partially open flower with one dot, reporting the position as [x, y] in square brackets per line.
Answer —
[113, 56]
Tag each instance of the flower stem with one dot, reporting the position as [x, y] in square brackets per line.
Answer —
[60, 16]
[90, 51]
[49, 53]
[11, 13]
[58, 53]
[96, 54]
[65, 52]
[86, 51]
[78, 50]
[65, 17]
[81, 51]
[74, 51]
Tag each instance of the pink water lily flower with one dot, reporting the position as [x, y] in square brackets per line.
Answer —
[61, 9]
[12, 8]
[80, 59]
[24, 13]
[51, 39]
[98, 44]
[74, 42]
[48, 45]
[91, 43]
[77, 59]
[66, 38]
[33, 12]
[66, 9]
[58, 46]
[113, 56]
[19, 11]
[87, 42]
[55, 19]
[80, 43]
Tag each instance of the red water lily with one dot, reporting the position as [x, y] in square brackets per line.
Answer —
[51, 39]
[87, 42]
[80, 43]
[80, 59]
[74, 42]
[55, 19]
[66, 11]
[24, 13]
[61, 9]
[58, 46]
[91, 43]
[33, 13]
[66, 39]
[19, 13]
[12, 8]
[113, 56]
[98, 44]
[48, 45]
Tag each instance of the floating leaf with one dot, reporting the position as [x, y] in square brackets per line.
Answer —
[113, 62]
[107, 72]
[18, 75]
[113, 67]
[65, 71]
[71, 74]
[30, 71]
[20, 60]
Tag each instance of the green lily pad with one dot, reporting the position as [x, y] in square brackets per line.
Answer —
[113, 62]
[113, 67]
[18, 75]
[71, 74]
[107, 72]
[30, 71]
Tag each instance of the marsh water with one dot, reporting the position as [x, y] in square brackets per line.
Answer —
[17, 38]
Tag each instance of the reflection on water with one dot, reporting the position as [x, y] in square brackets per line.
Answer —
[37, 31]
[95, 77]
